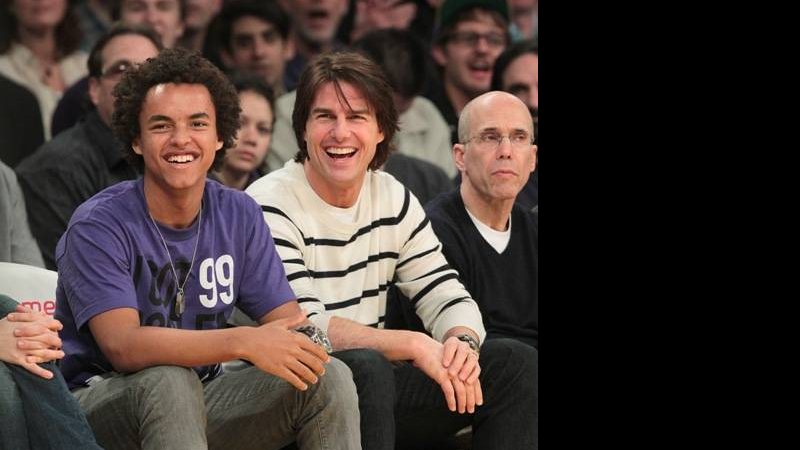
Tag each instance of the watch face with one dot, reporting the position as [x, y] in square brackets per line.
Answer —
[317, 336]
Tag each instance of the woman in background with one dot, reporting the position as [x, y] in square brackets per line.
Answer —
[243, 163]
[39, 49]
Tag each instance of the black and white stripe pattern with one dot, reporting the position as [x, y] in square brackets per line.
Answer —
[344, 269]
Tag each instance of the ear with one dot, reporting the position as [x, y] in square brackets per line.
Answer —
[136, 145]
[458, 157]
[94, 90]
[219, 146]
[533, 159]
[382, 136]
[438, 55]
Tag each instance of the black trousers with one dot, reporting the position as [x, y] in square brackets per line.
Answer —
[402, 408]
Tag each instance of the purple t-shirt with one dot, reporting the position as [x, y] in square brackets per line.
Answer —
[111, 257]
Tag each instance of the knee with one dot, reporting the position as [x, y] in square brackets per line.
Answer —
[509, 351]
[168, 383]
[510, 360]
[336, 385]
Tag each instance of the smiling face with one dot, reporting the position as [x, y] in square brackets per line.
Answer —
[496, 173]
[254, 135]
[468, 56]
[178, 138]
[341, 143]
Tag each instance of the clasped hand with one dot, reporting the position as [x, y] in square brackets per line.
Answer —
[454, 366]
[28, 338]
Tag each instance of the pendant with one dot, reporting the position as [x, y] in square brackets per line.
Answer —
[179, 304]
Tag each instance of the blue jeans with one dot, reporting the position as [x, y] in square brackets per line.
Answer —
[401, 406]
[39, 413]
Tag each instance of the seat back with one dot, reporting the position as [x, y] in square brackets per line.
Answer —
[32, 286]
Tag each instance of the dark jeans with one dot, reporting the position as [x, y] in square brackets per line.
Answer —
[411, 412]
[43, 413]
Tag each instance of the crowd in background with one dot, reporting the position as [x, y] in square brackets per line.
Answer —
[61, 62]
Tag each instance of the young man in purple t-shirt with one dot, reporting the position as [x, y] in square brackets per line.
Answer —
[149, 273]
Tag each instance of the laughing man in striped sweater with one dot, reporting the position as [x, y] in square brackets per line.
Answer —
[345, 231]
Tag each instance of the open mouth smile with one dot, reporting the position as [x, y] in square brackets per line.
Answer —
[340, 152]
[180, 159]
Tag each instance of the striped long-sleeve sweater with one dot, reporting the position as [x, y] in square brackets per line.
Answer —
[340, 262]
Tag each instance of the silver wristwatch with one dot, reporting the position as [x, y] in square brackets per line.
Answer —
[471, 341]
[317, 336]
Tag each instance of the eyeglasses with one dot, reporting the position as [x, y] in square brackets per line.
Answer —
[471, 38]
[117, 69]
[492, 141]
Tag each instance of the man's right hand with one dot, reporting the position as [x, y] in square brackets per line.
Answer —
[275, 348]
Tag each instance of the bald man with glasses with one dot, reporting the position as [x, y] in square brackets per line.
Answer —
[492, 241]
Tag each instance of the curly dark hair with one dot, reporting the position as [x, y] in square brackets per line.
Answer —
[178, 66]
[363, 74]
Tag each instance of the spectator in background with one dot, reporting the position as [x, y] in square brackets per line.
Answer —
[471, 35]
[251, 36]
[94, 17]
[517, 72]
[314, 27]
[423, 132]
[199, 14]
[371, 15]
[16, 242]
[21, 128]
[492, 241]
[524, 19]
[165, 17]
[242, 163]
[39, 49]
[363, 16]
[86, 158]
